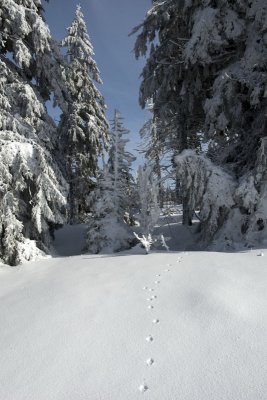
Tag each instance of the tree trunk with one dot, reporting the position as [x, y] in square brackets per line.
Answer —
[187, 212]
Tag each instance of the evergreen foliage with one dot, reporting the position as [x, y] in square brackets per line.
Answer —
[112, 199]
[83, 128]
[152, 149]
[206, 73]
[32, 189]
[148, 190]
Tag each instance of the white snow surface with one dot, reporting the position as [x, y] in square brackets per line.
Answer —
[77, 327]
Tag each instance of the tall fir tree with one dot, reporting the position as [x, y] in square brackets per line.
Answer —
[206, 72]
[152, 149]
[83, 128]
[165, 30]
[32, 189]
[148, 191]
[120, 161]
[112, 201]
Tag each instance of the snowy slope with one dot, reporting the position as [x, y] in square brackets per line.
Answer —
[76, 328]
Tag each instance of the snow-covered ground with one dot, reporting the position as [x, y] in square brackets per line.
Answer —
[163, 326]
[178, 236]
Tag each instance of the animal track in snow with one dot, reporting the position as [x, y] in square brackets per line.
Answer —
[157, 282]
[158, 275]
[149, 338]
[155, 321]
[145, 288]
[150, 361]
[151, 298]
[167, 270]
[151, 290]
[150, 307]
[143, 388]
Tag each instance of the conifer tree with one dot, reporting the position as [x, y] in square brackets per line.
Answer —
[107, 228]
[152, 149]
[32, 189]
[206, 72]
[120, 161]
[83, 128]
[148, 191]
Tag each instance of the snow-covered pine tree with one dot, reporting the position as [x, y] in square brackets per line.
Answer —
[112, 199]
[207, 72]
[165, 77]
[107, 229]
[148, 190]
[26, 37]
[32, 189]
[83, 129]
[152, 149]
[207, 188]
[120, 162]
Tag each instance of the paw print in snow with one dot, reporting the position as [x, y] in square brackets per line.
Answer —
[143, 388]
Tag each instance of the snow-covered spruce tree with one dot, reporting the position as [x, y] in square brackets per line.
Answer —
[26, 37]
[83, 129]
[165, 77]
[247, 222]
[148, 190]
[120, 163]
[32, 189]
[107, 229]
[209, 61]
[207, 188]
[112, 199]
[232, 212]
[152, 149]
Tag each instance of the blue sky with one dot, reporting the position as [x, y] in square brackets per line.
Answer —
[109, 22]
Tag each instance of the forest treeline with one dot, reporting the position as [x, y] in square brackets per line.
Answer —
[205, 84]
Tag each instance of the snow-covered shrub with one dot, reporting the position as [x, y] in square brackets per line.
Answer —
[251, 199]
[163, 243]
[32, 193]
[247, 221]
[107, 231]
[146, 241]
[232, 213]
